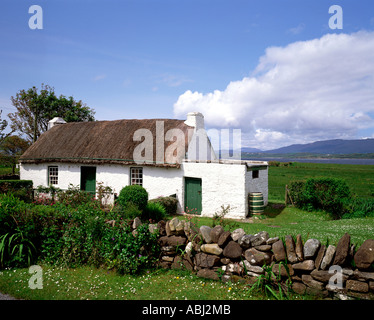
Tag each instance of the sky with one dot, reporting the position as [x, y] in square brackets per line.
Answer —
[277, 70]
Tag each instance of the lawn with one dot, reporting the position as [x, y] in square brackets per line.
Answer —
[360, 178]
[87, 283]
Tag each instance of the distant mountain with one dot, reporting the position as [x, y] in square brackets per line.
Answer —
[254, 150]
[336, 146]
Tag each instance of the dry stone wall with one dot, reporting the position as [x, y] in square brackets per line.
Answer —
[340, 271]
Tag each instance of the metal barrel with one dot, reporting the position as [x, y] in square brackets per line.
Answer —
[256, 203]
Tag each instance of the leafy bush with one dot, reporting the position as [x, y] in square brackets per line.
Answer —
[75, 197]
[296, 192]
[134, 194]
[328, 194]
[154, 211]
[131, 211]
[169, 203]
[128, 253]
[22, 189]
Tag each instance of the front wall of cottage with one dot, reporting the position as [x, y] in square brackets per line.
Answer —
[222, 184]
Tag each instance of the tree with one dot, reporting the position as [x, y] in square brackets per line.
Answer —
[35, 109]
[3, 125]
[11, 149]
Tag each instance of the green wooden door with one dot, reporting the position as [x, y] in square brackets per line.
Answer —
[88, 179]
[192, 195]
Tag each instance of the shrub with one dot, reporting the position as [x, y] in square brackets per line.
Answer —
[169, 203]
[131, 211]
[134, 194]
[154, 211]
[75, 197]
[22, 189]
[128, 253]
[328, 194]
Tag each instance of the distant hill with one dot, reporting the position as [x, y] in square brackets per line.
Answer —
[254, 150]
[337, 146]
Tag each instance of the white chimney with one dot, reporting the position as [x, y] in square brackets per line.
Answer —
[195, 119]
[55, 121]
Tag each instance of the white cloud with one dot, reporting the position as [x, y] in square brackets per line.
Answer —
[297, 30]
[309, 90]
[99, 77]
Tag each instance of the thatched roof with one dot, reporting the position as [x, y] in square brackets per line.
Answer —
[101, 142]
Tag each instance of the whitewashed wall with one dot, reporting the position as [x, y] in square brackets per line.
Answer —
[222, 184]
[259, 184]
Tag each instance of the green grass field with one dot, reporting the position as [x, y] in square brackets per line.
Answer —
[360, 178]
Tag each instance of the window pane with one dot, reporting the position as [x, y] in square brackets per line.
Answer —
[136, 176]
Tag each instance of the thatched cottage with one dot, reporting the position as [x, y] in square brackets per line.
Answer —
[165, 156]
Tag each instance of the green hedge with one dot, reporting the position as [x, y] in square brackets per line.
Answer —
[328, 194]
[69, 236]
[169, 203]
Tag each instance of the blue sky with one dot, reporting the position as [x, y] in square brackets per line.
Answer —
[234, 61]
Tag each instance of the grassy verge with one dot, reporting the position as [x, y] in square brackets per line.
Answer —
[87, 283]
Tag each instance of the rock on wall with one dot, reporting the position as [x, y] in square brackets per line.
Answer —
[342, 271]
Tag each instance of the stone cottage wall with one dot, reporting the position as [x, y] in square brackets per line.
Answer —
[340, 271]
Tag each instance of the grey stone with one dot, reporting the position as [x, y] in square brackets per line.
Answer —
[363, 276]
[208, 274]
[233, 250]
[278, 250]
[281, 269]
[136, 223]
[310, 282]
[245, 241]
[290, 249]
[321, 275]
[168, 250]
[311, 247]
[237, 234]
[264, 247]
[364, 256]
[172, 241]
[257, 258]
[299, 248]
[205, 232]
[179, 228]
[224, 238]
[203, 260]
[173, 223]
[233, 268]
[272, 240]
[306, 265]
[216, 233]
[259, 238]
[342, 250]
[212, 248]
[329, 255]
[251, 268]
[320, 254]
[358, 286]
